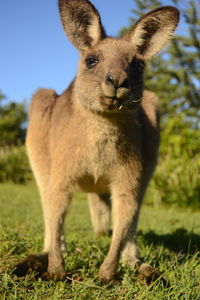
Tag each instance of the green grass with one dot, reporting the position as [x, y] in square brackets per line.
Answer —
[168, 237]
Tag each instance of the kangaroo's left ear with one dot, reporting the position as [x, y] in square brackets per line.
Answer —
[153, 30]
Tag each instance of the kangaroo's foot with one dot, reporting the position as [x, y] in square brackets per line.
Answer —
[36, 263]
[148, 274]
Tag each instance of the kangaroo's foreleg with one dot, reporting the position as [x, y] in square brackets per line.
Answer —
[124, 211]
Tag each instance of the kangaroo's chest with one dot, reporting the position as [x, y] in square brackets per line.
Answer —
[104, 153]
[104, 148]
[98, 167]
[99, 158]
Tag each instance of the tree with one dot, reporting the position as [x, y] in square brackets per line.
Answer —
[12, 122]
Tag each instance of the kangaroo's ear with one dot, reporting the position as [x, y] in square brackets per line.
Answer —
[81, 22]
[153, 30]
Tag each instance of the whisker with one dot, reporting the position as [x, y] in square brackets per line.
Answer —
[135, 101]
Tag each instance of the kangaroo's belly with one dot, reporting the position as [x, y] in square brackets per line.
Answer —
[90, 184]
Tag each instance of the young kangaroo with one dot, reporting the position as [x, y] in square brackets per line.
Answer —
[101, 136]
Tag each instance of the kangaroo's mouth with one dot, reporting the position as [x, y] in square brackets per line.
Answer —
[115, 104]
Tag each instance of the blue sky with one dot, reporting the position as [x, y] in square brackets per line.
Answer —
[34, 51]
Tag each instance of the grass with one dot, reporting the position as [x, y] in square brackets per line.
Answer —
[168, 237]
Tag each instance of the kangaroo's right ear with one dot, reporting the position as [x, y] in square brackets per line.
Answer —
[81, 22]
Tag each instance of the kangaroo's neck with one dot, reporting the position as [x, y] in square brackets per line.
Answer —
[111, 119]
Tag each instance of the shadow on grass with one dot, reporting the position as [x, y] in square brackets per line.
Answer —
[178, 241]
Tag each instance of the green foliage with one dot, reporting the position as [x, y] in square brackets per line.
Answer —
[12, 122]
[172, 247]
[176, 181]
[179, 139]
[14, 165]
[177, 177]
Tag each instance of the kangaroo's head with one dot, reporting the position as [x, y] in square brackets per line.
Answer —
[110, 74]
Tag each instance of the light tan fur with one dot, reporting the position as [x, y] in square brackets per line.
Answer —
[101, 136]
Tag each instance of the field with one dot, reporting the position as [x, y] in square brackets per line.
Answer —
[168, 237]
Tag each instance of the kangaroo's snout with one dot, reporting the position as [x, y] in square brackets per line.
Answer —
[116, 85]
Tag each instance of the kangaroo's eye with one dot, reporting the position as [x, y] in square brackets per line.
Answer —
[91, 61]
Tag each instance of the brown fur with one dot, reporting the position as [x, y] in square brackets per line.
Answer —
[101, 136]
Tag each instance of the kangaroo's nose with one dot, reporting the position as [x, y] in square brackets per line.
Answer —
[115, 85]
[117, 81]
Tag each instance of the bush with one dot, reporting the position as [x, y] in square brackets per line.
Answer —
[176, 181]
[177, 177]
[13, 118]
[179, 138]
[14, 165]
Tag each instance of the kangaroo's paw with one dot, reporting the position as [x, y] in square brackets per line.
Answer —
[106, 273]
[55, 276]
[148, 274]
[36, 263]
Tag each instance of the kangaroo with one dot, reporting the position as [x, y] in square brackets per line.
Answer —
[100, 136]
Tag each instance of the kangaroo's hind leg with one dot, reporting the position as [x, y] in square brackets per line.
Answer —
[38, 262]
[100, 211]
[54, 203]
[55, 199]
